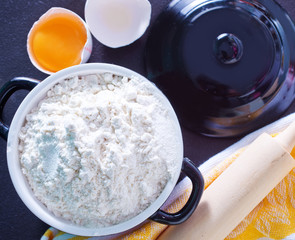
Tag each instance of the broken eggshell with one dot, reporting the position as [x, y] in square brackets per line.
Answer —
[117, 23]
[44, 19]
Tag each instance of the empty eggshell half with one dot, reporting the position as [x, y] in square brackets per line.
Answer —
[117, 23]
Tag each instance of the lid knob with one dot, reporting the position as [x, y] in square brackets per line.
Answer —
[228, 48]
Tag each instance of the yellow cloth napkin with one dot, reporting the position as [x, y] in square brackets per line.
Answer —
[273, 218]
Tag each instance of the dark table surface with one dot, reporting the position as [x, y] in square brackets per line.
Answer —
[16, 19]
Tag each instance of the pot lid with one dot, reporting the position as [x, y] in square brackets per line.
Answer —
[223, 64]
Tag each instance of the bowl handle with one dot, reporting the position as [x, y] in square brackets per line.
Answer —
[6, 91]
[189, 169]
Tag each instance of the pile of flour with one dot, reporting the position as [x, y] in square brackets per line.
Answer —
[99, 149]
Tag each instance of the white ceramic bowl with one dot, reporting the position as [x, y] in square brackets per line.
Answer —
[20, 182]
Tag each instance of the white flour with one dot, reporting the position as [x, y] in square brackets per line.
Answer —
[99, 149]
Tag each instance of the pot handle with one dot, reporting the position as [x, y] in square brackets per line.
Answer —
[6, 91]
[189, 169]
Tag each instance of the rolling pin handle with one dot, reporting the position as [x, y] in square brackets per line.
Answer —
[287, 138]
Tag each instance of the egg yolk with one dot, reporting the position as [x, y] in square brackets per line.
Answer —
[57, 41]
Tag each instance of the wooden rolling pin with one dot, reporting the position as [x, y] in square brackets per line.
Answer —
[239, 189]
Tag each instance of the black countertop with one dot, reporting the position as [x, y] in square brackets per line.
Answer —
[16, 19]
